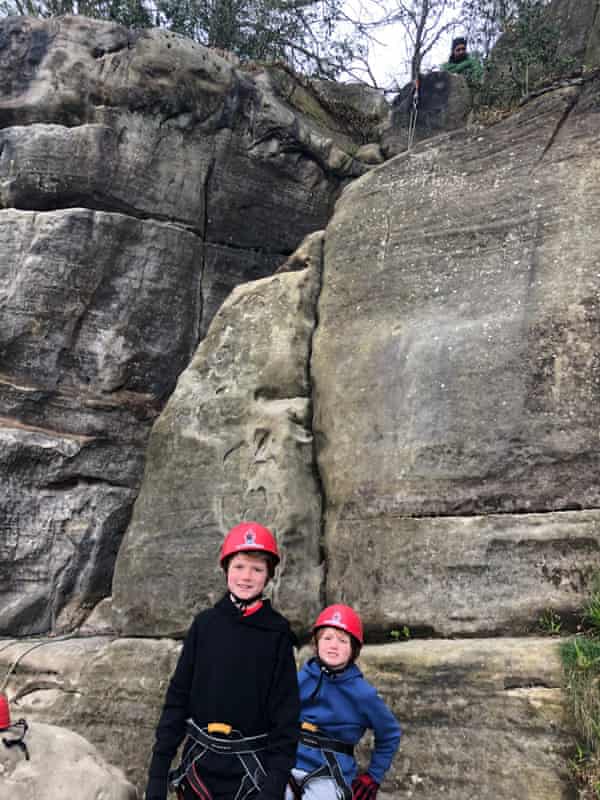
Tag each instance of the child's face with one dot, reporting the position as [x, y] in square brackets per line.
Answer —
[334, 647]
[247, 575]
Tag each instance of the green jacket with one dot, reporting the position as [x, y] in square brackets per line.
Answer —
[470, 67]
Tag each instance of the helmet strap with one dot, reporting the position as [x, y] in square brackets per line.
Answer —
[325, 670]
[243, 605]
[331, 670]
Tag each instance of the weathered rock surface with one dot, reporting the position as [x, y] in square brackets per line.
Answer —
[142, 177]
[459, 575]
[166, 128]
[59, 761]
[233, 443]
[110, 692]
[454, 373]
[100, 314]
[444, 102]
[62, 530]
[579, 24]
[575, 24]
[97, 300]
[481, 718]
[473, 388]
[592, 53]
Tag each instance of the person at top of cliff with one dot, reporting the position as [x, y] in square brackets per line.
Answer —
[337, 706]
[233, 695]
[461, 63]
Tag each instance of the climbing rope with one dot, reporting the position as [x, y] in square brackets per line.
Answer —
[46, 640]
[412, 120]
[22, 655]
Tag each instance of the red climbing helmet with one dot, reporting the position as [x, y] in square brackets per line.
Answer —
[249, 537]
[342, 617]
[4, 712]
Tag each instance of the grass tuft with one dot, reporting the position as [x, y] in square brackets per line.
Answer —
[581, 662]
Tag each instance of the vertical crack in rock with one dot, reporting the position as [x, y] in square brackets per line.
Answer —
[204, 234]
[565, 115]
[206, 191]
[309, 381]
[596, 17]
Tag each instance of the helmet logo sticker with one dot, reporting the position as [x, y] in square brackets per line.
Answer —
[336, 620]
[250, 537]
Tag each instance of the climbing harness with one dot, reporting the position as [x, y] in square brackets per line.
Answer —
[19, 727]
[412, 120]
[230, 743]
[311, 736]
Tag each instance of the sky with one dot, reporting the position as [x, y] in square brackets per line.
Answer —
[388, 60]
[388, 57]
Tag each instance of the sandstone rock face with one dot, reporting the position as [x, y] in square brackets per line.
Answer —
[464, 574]
[59, 759]
[109, 692]
[481, 718]
[63, 529]
[592, 53]
[441, 424]
[142, 177]
[233, 443]
[574, 23]
[99, 300]
[479, 357]
[356, 98]
[167, 128]
[443, 104]
[577, 21]
[100, 313]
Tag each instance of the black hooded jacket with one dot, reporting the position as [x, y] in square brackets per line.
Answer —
[238, 670]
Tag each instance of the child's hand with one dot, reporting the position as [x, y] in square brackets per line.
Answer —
[364, 787]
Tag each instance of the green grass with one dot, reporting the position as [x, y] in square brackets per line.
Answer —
[581, 662]
[550, 622]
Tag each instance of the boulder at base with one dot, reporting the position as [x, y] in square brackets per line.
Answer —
[59, 761]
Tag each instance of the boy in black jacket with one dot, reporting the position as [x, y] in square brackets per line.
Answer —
[234, 690]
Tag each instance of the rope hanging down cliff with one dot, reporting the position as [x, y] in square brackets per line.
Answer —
[412, 120]
[20, 727]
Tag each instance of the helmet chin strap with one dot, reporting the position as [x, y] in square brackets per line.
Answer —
[331, 670]
[244, 604]
[325, 670]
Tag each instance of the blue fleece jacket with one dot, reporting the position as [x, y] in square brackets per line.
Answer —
[344, 707]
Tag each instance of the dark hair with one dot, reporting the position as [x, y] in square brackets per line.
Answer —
[455, 43]
[269, 560]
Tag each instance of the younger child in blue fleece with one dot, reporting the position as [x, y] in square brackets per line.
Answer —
[337, 706]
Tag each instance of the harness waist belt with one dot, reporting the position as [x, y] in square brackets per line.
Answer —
[245, 748]
[226, 746]
[311, 736]
[319, 741]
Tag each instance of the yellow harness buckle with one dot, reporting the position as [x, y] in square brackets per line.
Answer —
[308, 726]
[219, 727]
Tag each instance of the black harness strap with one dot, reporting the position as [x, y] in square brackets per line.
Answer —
[231, 743]
[319, 741]
[19, 741]
[295, 787]
[310, 736]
